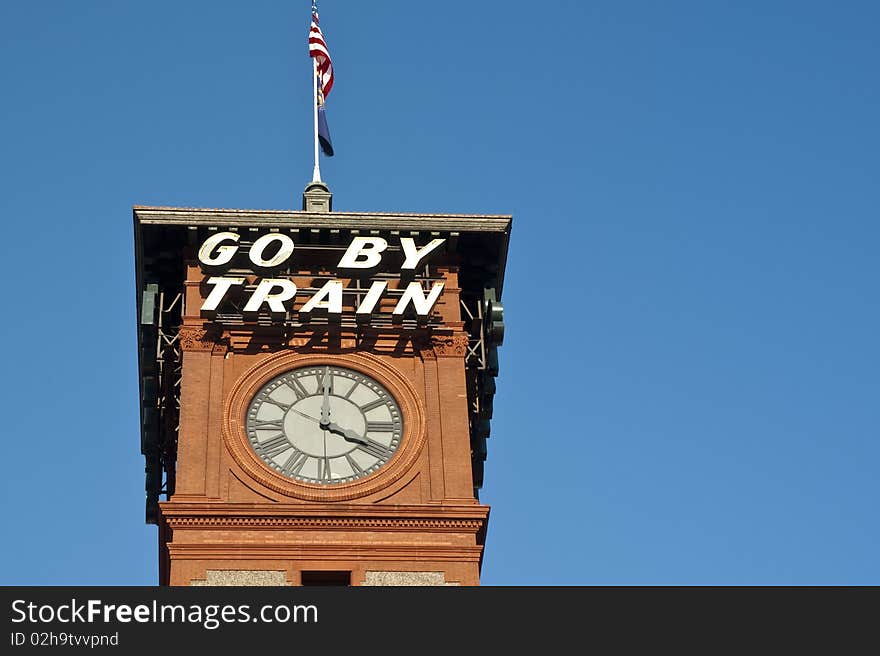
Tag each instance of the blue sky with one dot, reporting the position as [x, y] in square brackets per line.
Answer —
[689, 389]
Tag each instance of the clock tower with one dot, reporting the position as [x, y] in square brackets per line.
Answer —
[316, 392]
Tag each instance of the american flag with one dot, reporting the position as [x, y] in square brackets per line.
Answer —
[318, 50]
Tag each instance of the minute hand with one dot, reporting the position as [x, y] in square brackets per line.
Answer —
[325, 406]
[347, 434]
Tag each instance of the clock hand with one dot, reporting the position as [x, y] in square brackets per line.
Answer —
[350, 435]
[303, 414]
[325, 407]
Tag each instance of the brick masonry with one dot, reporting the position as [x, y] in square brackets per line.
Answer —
[415, 522]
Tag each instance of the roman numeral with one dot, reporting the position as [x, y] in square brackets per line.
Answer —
[297, 388]
[273, 446]
[324, 468]
[353, 388]
[380, 426]
[320, 378]
[373, 448]
[356, 468]
[372, 405]
[294, 463]
[275, 424]
[283, 406]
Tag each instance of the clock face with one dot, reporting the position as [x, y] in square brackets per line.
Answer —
[324, 424]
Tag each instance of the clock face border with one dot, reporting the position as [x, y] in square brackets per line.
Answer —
[235, 437]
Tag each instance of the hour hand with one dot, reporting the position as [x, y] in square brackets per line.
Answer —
[350, 435]
[325, 406]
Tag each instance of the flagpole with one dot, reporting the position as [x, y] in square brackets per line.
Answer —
[316, 174]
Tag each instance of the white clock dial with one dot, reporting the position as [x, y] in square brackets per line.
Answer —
[324, 424]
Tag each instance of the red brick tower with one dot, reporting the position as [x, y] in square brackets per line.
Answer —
[316, 392]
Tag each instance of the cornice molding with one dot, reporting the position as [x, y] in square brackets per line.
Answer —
[347, 551]
[324, 523]
[189, 505]
[187, 216]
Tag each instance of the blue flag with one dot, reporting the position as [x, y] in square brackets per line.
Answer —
[324, 133]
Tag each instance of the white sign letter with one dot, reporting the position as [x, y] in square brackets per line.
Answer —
[284, 252]
[415, 255]
[370, 248]
[221, 287]
[422, 304]
[332, 290]
[263, 294]
[371, 300]
[224, 254]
